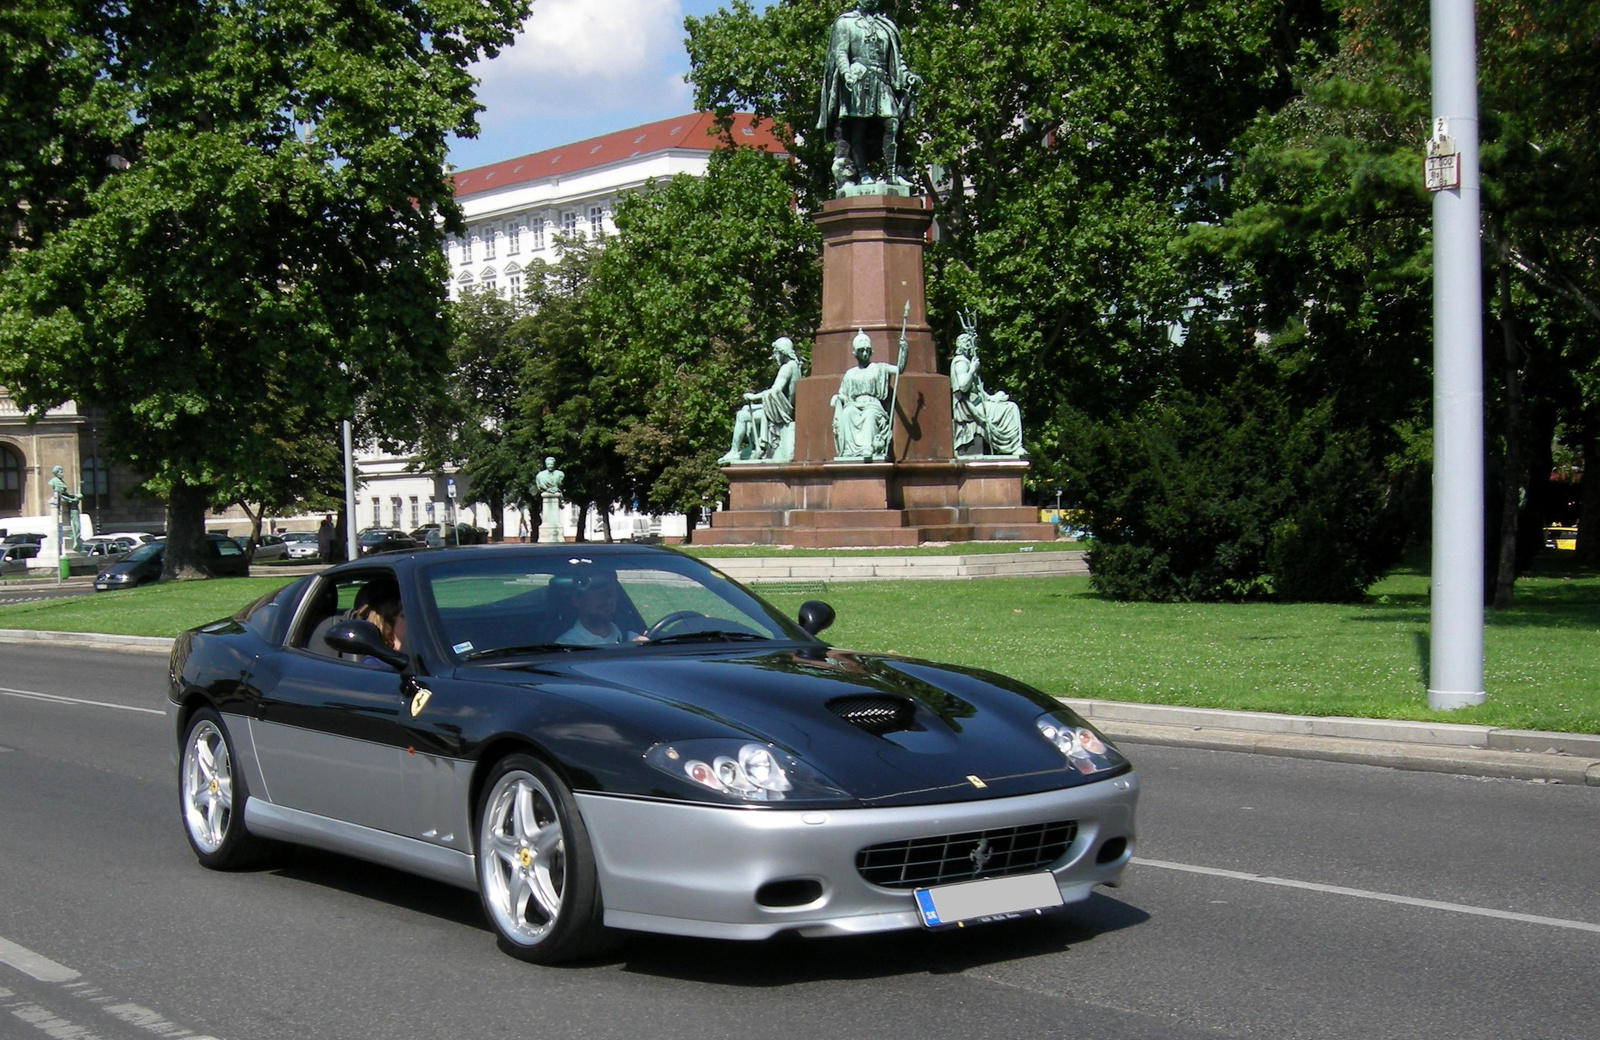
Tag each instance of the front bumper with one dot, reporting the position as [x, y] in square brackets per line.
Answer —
[695, 869]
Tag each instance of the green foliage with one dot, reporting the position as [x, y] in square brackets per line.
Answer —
[682, 307]
[1067, 144]
[265, 251]
[1221, 496]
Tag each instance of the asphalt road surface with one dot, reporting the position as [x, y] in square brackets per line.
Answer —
[1271, 898]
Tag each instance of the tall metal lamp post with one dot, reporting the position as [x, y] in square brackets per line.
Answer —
[1451, 169]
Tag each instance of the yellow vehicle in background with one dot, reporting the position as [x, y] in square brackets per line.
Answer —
[1561, 538]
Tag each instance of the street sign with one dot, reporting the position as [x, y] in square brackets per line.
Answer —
[450, 488]
[1442, 172]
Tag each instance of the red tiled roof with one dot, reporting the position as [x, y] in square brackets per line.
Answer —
[697, 130]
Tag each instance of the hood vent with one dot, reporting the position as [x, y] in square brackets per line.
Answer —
[876, 713]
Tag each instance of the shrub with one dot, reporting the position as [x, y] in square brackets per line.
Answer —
[1228, 496]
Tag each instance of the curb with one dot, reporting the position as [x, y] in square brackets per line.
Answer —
[1561, 758]
[89, 641]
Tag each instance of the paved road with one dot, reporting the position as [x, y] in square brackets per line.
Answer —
[1273, 898]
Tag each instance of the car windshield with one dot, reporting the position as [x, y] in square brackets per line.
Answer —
[143, 553]
[505, 607]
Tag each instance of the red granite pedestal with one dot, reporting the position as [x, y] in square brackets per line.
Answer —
[871, 269]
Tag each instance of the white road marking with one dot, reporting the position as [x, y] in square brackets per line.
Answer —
[30, 963]
[56, 698]
[1361, 893]
[55, 1025]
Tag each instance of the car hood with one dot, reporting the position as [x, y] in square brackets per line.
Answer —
[884, 729]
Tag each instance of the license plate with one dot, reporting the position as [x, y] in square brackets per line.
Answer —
[986, 898]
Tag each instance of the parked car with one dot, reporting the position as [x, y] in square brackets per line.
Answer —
[382, 540]
[22, 538]
[714, 770]
[110, 548]
[301, 545]
[1561, 537]
[438, 535]
[15, 556]
[270, 547]
[224, 558]
[134, 538]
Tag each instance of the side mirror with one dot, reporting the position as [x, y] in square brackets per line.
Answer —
[363, 639]
[815, 616]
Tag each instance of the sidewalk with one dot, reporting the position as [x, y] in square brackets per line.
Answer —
[1436, 747]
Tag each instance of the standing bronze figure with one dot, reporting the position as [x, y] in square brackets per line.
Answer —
[867, 90]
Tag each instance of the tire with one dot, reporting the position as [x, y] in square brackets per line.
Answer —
[536, 870]
[211, 798]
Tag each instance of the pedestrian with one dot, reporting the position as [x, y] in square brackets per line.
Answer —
[325, 539]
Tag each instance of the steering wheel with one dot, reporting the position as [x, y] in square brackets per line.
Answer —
[677, 617]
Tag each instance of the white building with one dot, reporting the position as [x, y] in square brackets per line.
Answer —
[514, 210]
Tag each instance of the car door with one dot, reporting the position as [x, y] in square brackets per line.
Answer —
[327, 729]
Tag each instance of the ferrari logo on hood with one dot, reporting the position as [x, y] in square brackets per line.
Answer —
[419, 700]
[975, 781]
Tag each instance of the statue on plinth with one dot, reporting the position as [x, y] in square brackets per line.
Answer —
[867, 90]
[65, 505]
[982, 423]
[862, 407]
[548, 484]
[763, 428]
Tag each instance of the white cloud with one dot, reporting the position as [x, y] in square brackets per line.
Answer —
[586, 55]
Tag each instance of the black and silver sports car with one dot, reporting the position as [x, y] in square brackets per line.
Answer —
[603, 738]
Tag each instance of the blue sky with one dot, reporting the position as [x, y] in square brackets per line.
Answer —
[582, 68]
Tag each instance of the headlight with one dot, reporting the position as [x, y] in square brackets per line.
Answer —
[748, 771]
[1086, 751]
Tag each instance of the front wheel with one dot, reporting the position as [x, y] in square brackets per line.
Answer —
[536, 870]
[211, 797]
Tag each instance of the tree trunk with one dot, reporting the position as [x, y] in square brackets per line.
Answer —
[583, 522]
[1514, 470]
[1589, 503]
[497, 513]
[605, 523]
[185, 554]
[255, 529]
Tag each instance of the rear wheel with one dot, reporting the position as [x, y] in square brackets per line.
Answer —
[536, 869]
[211, 797]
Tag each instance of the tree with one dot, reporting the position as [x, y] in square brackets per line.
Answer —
[474, 428]
[1067, 145]
[267, 239]
[683, 305]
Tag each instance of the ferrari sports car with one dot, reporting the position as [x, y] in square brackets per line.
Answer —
[599, 739]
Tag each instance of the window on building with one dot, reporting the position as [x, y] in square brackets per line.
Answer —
[96, 483]
[415, 522]
[466, 250]
[536, 232]
[10, 482]
[488, 243]
[597, 220]
[569, 222]
[486, 280]
[377, 516]
[514, 281]
[514, 237]
[394, 511]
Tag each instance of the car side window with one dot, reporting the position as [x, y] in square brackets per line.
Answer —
[228, 547]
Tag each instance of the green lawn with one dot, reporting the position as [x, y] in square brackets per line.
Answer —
[1542, 657]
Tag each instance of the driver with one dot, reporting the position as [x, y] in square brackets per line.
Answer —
[597, 606]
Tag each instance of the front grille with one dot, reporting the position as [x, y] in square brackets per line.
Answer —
[874, 713]
[942, 859]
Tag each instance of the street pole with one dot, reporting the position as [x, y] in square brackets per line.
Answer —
[351, 549]
[1456, 638]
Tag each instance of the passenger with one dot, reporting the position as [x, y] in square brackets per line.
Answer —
[597, 606]
[379, 604]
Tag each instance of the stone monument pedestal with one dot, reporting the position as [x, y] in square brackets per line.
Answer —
[872, 248]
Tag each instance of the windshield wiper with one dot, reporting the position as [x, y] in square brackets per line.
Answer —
[518, 651]
[714, 636]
